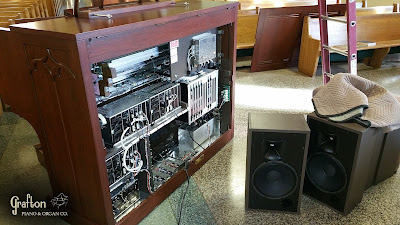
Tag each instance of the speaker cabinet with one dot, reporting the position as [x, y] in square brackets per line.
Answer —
[339, 162]
[389, 158]
[276, 149]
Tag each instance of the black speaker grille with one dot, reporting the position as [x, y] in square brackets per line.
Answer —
[326, 172]
[275, 180]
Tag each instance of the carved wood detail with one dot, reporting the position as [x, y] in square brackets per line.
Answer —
[54, 71]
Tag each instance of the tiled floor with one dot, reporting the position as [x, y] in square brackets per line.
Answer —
[216, 191]
[222, 179]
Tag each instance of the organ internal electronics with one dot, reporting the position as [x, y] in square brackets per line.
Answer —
[158, 108]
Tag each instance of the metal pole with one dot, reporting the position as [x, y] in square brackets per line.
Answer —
[323, 28]
[352, 36]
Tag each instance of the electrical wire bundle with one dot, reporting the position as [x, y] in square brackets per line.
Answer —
[135, 157]
[170, 107]
[184, 194]
[190, 56]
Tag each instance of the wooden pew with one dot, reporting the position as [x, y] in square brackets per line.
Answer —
[25, 12]
[34, 6]
[252, 4]
[10, 19]
[31, 8]
[246, 28]
[248, 17]
[379, 28]
[40, 4]
[374, 10]
[50, 7]
[247, 12]
[5, 24]
[18, 15]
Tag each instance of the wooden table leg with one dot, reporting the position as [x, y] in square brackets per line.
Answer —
[376, 60]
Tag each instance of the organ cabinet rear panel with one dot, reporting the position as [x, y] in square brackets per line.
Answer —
[129, 105]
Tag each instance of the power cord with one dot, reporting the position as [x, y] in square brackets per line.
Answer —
[184, 194]
[196, 141]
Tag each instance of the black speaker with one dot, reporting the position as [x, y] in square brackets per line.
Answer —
[339, 160]
[276, 150]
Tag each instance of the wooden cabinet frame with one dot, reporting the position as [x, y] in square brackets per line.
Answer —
[53, 64]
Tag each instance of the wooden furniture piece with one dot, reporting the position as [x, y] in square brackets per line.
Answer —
[49, 4]
[5, 24]
[32, 6]
[49, 83]
[374, 10]
[36, 8]
[252, 4]
[9, 19]
[248, 18]
[247, 28]
[279, 33]
[12, 14]
[379, 28]
[396, 7]
[26, 12]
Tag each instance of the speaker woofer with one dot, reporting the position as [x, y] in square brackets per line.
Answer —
[274, 180]
[326, 173]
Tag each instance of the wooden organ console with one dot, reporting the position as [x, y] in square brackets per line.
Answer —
[67, 75]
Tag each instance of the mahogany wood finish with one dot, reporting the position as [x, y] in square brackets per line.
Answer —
[49, 83]
[16, 89]
[279, 33]
[124, 8]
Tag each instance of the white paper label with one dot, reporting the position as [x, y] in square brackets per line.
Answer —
[174, 44]
[174, 51]
[174, 58]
